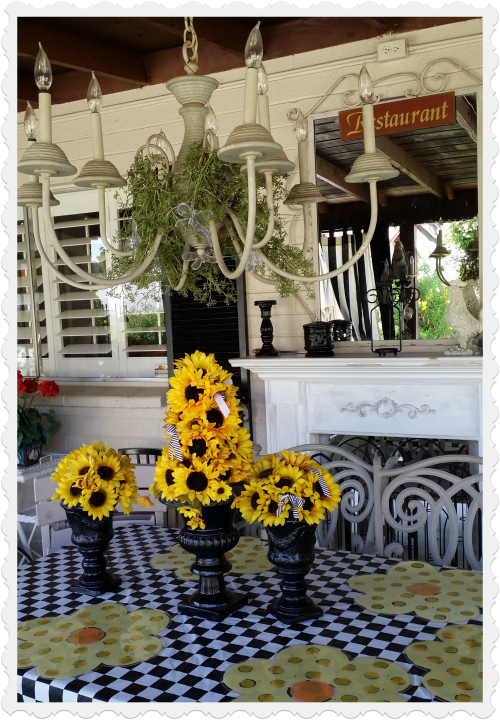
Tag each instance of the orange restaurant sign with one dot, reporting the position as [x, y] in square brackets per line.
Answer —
[392, 117]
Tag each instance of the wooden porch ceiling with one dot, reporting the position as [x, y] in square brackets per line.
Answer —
[130, 52]
[440, 161]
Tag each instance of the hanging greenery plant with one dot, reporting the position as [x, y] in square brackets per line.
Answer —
[209, 187]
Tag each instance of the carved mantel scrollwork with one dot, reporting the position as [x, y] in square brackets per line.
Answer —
[387, 408]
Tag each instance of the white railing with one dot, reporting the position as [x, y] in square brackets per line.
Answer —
[404, 498]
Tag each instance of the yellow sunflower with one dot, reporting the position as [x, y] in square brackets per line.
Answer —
[195, 482]
[109, 467]
[69, 492]
[80, 467]
[164, 475]
[265, 467]
[241, 446]
[232, 472]
[311, 512]
[172, 418]
[288, 479]
[299, 460]
[219, 491]
[201, 442]
[126, 495]
[99, 502]
[269, 509]
[196, 523]
[188, 390]
[315, 492]
[211, 418]
[251, 501]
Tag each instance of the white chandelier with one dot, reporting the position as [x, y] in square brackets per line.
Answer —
[250, 145]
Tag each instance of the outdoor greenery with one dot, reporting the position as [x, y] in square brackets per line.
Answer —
[458, 237]
[209, 186]
[432, 305]
[461, 236]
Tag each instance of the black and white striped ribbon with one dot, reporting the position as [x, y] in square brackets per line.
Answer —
[219, 399]
[174, 446]
[294, 501]
[228, 381]
[322, 482]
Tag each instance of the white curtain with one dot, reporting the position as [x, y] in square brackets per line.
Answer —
[329, 306]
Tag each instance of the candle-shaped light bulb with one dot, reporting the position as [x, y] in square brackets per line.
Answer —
[365, 86]
[439, 241]
[43, 71]
[254, 49]
[94, 95]
[30, 123]
[211, 121]
[262, 81]
[301, 130]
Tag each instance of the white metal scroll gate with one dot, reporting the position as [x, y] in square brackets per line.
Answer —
[367, 489]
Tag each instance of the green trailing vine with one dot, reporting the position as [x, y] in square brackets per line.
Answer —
[210, 186]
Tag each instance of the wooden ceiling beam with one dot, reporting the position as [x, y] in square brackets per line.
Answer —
[26, 90]
[163, 65]
[412, 167]
[414, 209]
[333, 175]
[80, 53]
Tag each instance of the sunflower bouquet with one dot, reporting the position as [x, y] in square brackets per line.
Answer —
[207, 450]
[287, 485]
[96, 478]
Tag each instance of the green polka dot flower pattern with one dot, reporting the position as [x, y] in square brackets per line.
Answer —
[450, 596]
[249, 556]
[62, 647]
[316, 673]
[455, 662]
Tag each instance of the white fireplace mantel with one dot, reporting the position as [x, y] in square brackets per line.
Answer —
[413, 396]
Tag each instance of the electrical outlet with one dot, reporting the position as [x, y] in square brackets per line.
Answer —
[391, 50]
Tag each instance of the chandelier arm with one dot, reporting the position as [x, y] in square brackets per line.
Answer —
[102, 225]
[69, 262]
[439, 273]
[248, 241]
[306, 209]
[45, 258]
[270, 227]
[333, 273]
[185, 270]
[270, 205]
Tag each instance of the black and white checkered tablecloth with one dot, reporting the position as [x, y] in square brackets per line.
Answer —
[197, 652]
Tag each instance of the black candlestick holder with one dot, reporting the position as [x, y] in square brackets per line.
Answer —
[266, 329]
[397, 294]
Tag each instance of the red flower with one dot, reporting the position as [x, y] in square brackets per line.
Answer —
[48, 388]
[31, 385]
[21, 387]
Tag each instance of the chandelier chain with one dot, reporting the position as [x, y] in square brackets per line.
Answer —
[190, 47]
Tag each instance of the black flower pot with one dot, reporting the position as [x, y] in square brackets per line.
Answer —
[318, 339]
[212, 600]
[29, 453]
[342, 330]
[91, 538]
[291, 551]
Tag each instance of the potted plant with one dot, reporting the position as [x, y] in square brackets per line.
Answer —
[91, 481]
[208, 455]
[33, 427]
[289, 493]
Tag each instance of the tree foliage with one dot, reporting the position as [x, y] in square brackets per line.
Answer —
[432, 306]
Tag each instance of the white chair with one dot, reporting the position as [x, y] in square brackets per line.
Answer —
[50, 515]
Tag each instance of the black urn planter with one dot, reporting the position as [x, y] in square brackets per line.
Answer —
[318, 339]
[91, 538]
[212, 600]
[291, 551]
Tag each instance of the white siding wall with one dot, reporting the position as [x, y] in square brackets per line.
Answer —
[297, 80]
